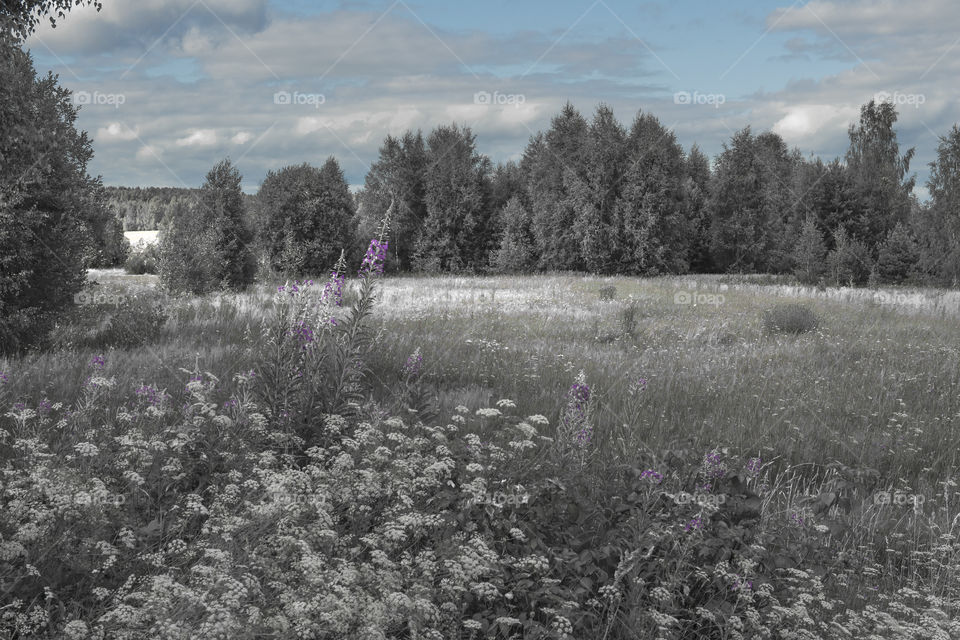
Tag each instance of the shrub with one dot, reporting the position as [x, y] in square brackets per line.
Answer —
[137, 320]
[790, 318]
[608, 292]
[143, 259]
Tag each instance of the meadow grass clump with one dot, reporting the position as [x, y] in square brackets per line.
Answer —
[791, 319]
[607, 292]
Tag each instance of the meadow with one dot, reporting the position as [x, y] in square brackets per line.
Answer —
[551, 456]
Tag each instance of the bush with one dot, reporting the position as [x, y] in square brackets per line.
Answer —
[144, 259]
[608, 292]
[137, 320]
[790, 318]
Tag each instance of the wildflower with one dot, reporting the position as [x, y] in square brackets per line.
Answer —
[461, 409]
[639, 386]
[98, 362]
[488, 412]
[373, 261]
[575, 417]
[538, 419]
[412, 367]
[712, 466]
[303, 332]
[3, 378]
[333, 290]
[652, 475]
[695, 523]
[506, 403]
[753, 466]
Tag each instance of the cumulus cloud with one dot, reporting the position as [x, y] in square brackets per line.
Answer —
[116, 131]
[199, 138]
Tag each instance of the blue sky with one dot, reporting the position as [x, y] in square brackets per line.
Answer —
[171, 86]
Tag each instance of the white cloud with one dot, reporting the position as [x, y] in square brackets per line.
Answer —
[117, 131]
[242, 137]
[199, 138]
[804, 121]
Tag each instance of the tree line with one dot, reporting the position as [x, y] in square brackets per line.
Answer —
[585, 195]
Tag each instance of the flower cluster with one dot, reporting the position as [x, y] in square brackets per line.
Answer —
[652, 475]
[412, 366]
[98, 362]
[334, 287]
[151, 395]
[303, 333]
[753, 466]
[294, 288]
[375, 258]
[3, 378]
[576, 415]
[639, 385]
[712, 466]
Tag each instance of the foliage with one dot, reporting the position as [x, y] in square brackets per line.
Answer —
[49, 213]
[810, 253]
[307, 214]
[145, 259]
[515, 252]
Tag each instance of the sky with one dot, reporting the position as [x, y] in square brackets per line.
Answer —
[169, 87]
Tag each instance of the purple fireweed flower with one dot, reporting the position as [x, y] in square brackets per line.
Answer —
[303, 332]
[753, 466]
[98, 362]
[712, 466]
[373, 261]
[652, 475]
[334, 286]
[3, 377]
[45, 406]
[639, 386]
[412, 366]
[695, 523]
[151, 395]
[229, 403]
[19, 406]
[575, 417]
